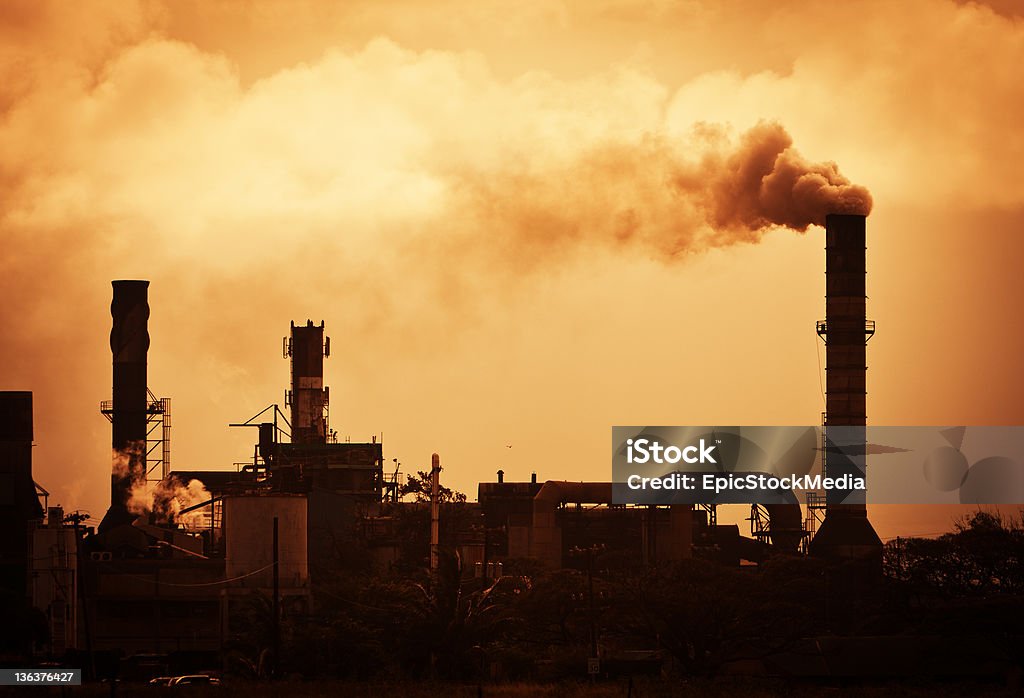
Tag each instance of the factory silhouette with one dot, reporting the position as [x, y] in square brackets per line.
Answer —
[221, 571]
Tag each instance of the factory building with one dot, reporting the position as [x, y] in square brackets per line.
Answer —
[169, 572]
[159, 577]
[339, 483]
[53, 580]
[156, 578]
[18, 502]
[548, 521]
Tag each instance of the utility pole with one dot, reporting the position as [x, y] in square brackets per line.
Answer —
[593, 663]
[435, 512]
[483, 577]
[77, 518]
[275, 605]
[590, 601]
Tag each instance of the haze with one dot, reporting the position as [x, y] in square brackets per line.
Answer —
[475, 197]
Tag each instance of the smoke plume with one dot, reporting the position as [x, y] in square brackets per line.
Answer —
[129, 464]
[165, 499]
[674, 197]
[765, 182]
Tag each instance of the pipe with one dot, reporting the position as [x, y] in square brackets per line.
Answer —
[555, 492]
[276, 604]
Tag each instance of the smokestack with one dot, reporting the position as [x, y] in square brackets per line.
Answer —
[267, 442]
[308, 398]
[129, 344]
[846, 531]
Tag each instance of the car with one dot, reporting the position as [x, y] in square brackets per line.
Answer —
[194, 680]
[161, 681]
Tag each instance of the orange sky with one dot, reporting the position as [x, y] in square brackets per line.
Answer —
[416, 175]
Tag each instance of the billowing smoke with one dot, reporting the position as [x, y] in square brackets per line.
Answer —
[410, 182]
[675, 197]
[164, 500]
[765, 182]
[129, 464]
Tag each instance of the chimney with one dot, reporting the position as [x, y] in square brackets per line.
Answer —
[129, 344]
[308, 398]
[501, 476]
[533, 478]
[846, 531]
[267, 442]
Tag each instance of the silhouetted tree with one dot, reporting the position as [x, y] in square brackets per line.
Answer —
[418, 486]
[983, 556]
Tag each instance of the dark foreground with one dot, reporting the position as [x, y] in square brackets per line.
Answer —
[748, 688]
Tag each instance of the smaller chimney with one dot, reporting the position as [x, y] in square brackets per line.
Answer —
[308, 398]
[533, 478]
[501, 476]
[55, 517]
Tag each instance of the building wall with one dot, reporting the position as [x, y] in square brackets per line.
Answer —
[248, 540]
[152, 605]
[53, 581]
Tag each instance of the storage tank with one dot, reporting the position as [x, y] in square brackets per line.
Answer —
[249, 540]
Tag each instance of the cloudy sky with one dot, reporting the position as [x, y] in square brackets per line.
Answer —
[522, 222]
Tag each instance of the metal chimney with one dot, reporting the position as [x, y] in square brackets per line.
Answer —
[846, 531]
[129, 344]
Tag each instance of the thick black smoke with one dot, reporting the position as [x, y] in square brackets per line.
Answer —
[675, 199]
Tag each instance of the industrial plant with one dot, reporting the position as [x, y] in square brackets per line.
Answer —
[166, 583]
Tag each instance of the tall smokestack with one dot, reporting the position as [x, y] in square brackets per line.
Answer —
[308, 397]
[129, 343]
[846, 531]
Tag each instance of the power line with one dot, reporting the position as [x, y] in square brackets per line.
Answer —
[917, 535]
[203, 583]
